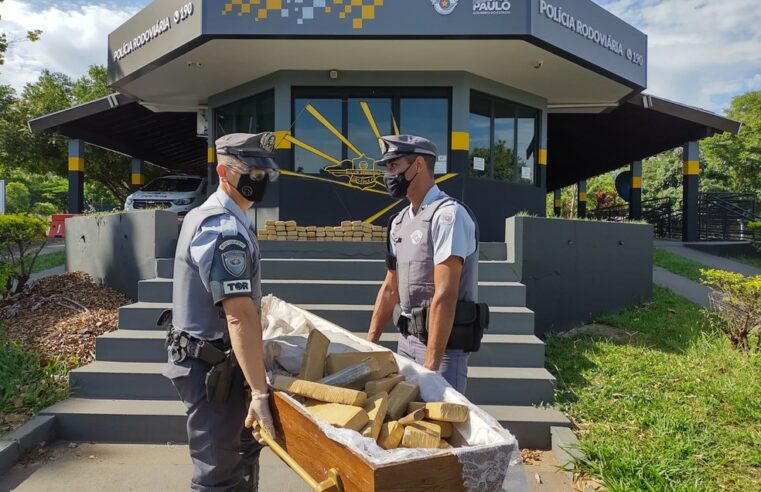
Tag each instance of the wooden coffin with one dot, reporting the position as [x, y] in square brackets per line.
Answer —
[316, 453]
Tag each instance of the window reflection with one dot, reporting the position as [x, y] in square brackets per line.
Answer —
[427, 118]
[362, 117]
[505, 134]
[251, 115]
[315, 134]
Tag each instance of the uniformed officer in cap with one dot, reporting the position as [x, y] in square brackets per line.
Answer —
[216, 307]
[432, 263]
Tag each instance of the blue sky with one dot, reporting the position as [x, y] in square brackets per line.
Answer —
[701, 52]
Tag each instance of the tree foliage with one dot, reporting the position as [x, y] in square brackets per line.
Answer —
[46, 154]
[5, 43]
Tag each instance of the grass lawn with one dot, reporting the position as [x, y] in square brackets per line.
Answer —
[678, 264]
[27, 384]
[48, 261]
[754, 261]
[676, 409]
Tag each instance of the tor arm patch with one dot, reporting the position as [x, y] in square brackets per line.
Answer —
[230, 273]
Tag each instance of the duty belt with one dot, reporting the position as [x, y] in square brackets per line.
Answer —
[182, 345]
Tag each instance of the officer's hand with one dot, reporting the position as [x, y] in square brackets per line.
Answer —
[259, 410]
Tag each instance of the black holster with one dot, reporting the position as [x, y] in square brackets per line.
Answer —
[219, 379]
[471, 319]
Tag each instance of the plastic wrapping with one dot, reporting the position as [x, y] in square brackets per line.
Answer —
[486, 448]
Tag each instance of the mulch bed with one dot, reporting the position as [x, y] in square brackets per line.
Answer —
[61, 316]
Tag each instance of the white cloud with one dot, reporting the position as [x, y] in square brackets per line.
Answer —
[74, 37]
[701, 52]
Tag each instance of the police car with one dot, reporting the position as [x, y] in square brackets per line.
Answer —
[177, 193]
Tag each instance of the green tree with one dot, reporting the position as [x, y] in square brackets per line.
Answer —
[5, 43]
[46, 153]
[17, 198]
[736, 159]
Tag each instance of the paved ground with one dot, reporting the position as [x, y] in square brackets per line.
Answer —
[712, 261]
[682, 286]
[85, 467]
[128, 467]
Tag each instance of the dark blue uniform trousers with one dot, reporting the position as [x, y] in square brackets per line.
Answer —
[220, 448]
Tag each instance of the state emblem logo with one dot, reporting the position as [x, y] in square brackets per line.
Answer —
[444, 7]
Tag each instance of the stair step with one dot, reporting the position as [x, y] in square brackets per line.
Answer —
[165, 267]
[163, 421]
[131, 346]
[349, 291]
[131, 421]
[504, 320]
[353, 251]
[142, 315]
[143, 380]
[334, 269]
[530, 425]
[496, 350]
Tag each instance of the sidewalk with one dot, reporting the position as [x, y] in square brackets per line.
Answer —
[707, 259]
[692, 291]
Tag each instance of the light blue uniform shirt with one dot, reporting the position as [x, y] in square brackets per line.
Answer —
[231, 224]
[452, 229]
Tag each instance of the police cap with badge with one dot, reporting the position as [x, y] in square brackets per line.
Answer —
[254, 161]
[395, 146]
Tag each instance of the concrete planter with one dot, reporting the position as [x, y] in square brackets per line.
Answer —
[120, 250]
[576, 269]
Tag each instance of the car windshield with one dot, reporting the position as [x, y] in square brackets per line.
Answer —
[180, 185]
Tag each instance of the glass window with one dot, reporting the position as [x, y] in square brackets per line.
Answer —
[174, 184]
[504, 141]
[479, 127]
[526, 145]
[505, 134]
[427, 118]
[251, 115]
[366, 116]
[313, 118]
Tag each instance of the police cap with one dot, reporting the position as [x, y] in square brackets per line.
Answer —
[394, 146]
[254, 150]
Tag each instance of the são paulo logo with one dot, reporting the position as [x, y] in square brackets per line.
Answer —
[444, 7]
[483, 7]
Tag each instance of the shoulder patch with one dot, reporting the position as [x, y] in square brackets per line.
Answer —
[237, 287]
[232, 242]
[234, 262]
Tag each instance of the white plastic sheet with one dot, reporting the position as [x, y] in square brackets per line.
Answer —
[486, 448]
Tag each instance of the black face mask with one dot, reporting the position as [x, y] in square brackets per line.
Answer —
[252, 190]
[397, 184]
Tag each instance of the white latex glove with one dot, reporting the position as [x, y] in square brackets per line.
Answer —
[259, 410]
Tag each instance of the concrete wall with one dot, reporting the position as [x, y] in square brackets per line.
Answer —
[120, 250]
[576, 269]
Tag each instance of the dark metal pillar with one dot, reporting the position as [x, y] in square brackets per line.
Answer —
[212, 180]
[138, 178]
[582, 199]
[690, 188]
[558, 203]
[76, 176]
[635, 200]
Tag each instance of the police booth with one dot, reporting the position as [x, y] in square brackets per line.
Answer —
[521, 98]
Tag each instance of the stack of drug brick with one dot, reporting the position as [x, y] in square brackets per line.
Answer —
[349, 231]
[363, 391]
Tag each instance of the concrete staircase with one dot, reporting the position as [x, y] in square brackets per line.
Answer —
[122, 396]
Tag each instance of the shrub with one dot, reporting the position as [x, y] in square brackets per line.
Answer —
[22, 237]
[44, 208]
[17, 198]
[736, 300]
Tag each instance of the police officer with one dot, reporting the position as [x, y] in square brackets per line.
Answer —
[215, 343]
[432, 263]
